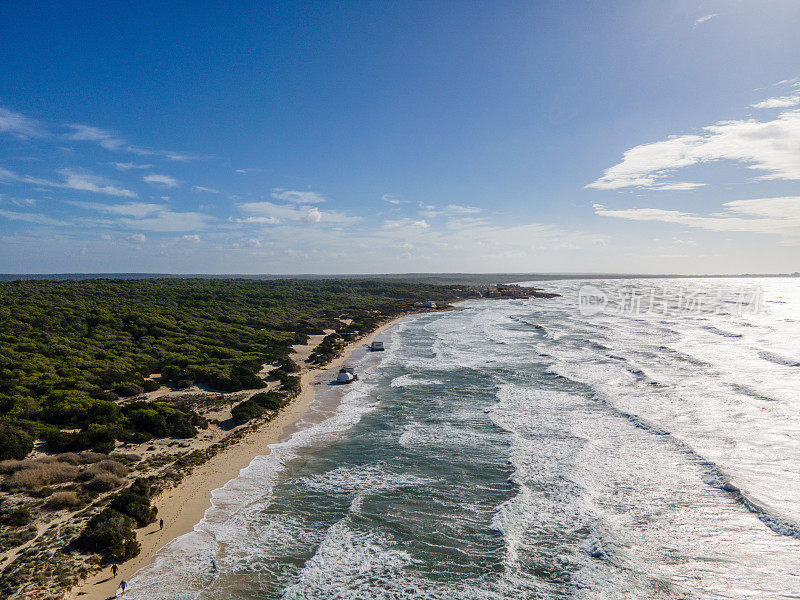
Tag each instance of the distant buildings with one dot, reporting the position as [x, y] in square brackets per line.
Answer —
[426, 304]
[512, 291]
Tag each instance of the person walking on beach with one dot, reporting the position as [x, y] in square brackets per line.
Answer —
[161, 524]
[123, 584]
[114, 569]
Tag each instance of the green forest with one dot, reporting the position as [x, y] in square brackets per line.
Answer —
[70, 349]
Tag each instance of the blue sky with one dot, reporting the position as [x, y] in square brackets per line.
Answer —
[372, 137]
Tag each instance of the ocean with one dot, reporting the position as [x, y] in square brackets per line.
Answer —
[629, 439]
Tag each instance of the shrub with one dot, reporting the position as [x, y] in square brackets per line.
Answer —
[128, 389]
[61, 500]
[10, 466]
[110, 533]
[14, 442]
[37, 476]
[16, 518]
[244, 411]
[291, 384]
[126, 458]
[100, 438]
[135, 505]
[268, 400]
[88, 457]
[69, 457]
[103, 482]
[112, 466]
[289, 366]
[150, 386]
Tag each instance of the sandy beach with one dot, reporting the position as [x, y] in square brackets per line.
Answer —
[183, 506]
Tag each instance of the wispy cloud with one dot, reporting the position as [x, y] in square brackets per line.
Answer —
[297, 197]
[128, 166]
[777, 216]
[35, 218]
[102, 137]
[704, 19]
[271, 213]
[200, 188]
[131, 209]
[406, 223]
[163, 180]
[20, 126]
[93, 183]
[464, 210]
[771, 146]
[146, 217]
[778, 102]
[392, 199]
[114, 142]
[430, 211]
[72, 180]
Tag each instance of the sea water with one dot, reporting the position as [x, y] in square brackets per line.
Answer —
[629, 439]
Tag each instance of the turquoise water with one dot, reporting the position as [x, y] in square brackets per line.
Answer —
[527, 449]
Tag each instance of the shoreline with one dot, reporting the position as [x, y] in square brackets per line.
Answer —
[184, 505]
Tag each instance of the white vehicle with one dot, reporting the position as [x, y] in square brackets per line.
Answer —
[346, 375]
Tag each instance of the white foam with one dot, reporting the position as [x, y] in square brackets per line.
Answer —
[187, 558]
[409, 380]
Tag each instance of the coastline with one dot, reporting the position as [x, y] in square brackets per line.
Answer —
[184, 505]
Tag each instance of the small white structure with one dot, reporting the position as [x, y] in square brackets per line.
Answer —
[346, 375]
[426, 304]
[376, 346]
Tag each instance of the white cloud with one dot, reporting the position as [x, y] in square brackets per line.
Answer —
[297, 197]
[146, 217]
[466, 210]
[406, 223]
[194, 238]
[139, 238]
[771, 146]
[705, 19]
[131, 209]
[391, 199]
[777, 216]
[37, 219]
[168, 221]
[92, 183]
[164, 180]
[111, 141]
[430, 211]
[72, 180]
[260, 220]
[304, 214]
[128, 166]
[102, 137]
[19, 125]
[200, 188]
[778, 102]
[678, 186]
[312, 216]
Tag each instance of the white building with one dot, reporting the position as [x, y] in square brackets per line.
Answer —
[426, 304]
